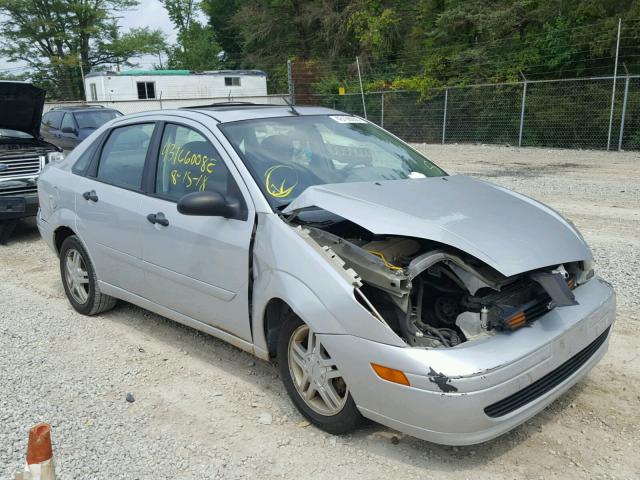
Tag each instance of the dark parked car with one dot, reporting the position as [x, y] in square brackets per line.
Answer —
[68, 126]
[23, 153]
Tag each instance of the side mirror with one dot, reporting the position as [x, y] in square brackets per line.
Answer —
[210, 204]
[69, 130]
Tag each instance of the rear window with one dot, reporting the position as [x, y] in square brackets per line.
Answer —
[95, 119]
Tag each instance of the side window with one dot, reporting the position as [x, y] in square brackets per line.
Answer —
[46, 119]
[85, 158]
[188, 163]
[67, 122]
[123, 155]
[54, 119]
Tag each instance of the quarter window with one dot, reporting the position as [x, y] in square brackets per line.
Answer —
[123, 155]
[188, 163]
[146, 90]
[231, 81]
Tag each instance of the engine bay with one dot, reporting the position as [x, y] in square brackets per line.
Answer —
[435, 296]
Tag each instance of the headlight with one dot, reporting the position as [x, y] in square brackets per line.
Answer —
[54, 157]
[587, 271]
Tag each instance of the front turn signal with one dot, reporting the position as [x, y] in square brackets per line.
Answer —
[390, 374]
[516, 321]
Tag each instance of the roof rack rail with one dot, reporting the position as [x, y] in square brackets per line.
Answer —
[244, 104]
[224, 104]
[77, 106]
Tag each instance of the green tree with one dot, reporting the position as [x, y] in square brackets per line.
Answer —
[53, 37]
[196, 47]
[220, 14]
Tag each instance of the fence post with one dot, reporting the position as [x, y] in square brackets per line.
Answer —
[613, 90]
[444, 117]
[624, 112]
[382, 110]
[292, 96]
[524, 97]
[364, 106]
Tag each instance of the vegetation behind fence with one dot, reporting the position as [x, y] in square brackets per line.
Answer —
[557, 113]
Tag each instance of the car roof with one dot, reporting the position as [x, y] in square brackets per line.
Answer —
[75, 108]
[233, 112]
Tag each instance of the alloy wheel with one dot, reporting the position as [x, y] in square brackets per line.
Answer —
[315, 375]
[76, 276]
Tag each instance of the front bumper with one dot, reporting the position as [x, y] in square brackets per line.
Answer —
[13, 207]
[450, 388]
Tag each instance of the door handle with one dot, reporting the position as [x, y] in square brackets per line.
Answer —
[90, 196]
[158, 218]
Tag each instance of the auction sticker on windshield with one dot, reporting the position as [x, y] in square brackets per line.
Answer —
[347, 119]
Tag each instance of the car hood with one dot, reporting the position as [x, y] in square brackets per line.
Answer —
[21, 107]
[508, 231]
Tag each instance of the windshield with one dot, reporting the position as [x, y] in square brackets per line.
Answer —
[95, 119]
[288, 154]
[4, 132]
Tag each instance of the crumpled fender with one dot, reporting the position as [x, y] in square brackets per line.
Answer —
[278, 284]
[287, 267]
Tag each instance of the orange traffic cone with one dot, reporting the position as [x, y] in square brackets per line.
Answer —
[40, 465]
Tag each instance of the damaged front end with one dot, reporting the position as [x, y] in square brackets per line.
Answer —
[433, 295]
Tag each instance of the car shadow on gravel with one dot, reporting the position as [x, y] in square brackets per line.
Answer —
[376, 439]
[25, 231]
[380, 441]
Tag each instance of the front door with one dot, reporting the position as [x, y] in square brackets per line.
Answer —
[196, 265]
[109, 211]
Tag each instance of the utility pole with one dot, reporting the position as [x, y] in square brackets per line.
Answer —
[613, 91]
[84, 92]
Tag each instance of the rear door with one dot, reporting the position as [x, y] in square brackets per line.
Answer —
[109, 206]
[68, 132]
[197, 265]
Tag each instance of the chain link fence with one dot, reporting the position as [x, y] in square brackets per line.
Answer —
[571, 113]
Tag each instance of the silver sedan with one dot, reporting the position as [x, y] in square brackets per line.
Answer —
[440, 305]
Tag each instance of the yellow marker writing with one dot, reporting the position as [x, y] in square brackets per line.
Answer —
[279, 191]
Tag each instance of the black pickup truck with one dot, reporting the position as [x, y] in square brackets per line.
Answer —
[23, 153]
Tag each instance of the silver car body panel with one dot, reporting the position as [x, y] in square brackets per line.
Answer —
[289, 266]
[519, 233]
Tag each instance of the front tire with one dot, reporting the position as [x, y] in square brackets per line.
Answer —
[80, 281]
[313, 380]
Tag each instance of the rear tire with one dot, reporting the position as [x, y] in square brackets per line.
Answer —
[80, 281]
[313, 380]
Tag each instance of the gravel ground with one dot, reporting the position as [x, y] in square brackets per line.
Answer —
[204, 409]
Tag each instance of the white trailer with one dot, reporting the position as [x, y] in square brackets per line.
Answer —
[173, 85]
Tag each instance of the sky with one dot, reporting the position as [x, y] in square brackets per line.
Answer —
[149, 13]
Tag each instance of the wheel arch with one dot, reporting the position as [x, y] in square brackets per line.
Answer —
[273, 319]
[60, 235]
